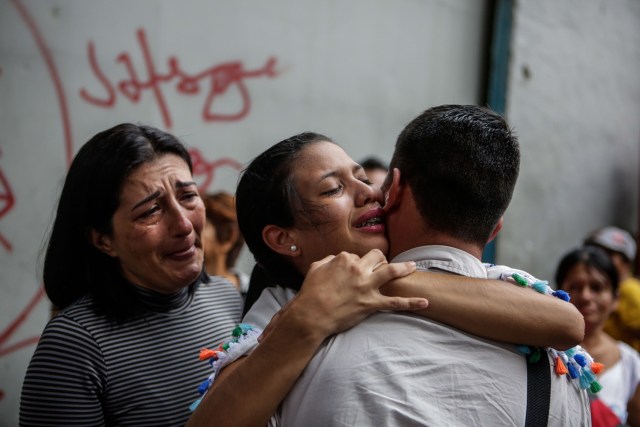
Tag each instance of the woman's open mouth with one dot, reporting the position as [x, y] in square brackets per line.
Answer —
[372, 221]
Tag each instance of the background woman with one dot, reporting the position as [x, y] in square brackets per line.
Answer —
[124, 264]
[590, 276]
[299, 203]
[223, 241]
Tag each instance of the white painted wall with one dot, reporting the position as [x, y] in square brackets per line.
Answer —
[356, 70]
[574, 99]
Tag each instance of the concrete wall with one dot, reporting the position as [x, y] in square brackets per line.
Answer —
[574, 100]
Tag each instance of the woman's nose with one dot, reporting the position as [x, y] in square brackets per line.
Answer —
[368, 194]
[584, 293]
[180, 223]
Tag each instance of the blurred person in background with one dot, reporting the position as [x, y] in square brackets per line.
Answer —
[222, 240]
[375, 169]
[624, 322]
[590, 277]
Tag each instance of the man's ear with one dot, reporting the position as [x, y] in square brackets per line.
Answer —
[102, 242]
[280, 240]
[496, 230]
[394, 192]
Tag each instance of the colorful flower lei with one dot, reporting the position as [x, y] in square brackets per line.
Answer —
[575, 362]
[245, 337]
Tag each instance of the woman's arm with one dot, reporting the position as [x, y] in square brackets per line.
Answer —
[494, 309]
[338, 292]
[248, 391]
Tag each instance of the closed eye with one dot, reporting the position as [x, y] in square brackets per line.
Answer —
[333, 191]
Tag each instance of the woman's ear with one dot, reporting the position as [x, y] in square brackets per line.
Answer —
[102, 242]
[392, 194]
[280, 240]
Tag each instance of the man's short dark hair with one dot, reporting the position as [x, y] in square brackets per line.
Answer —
[461, 163]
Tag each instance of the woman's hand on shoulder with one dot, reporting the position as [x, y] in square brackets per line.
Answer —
[340, 291]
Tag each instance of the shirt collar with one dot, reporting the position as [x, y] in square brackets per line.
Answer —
[444, 258]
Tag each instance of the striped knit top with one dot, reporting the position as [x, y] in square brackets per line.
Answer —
[89, 371]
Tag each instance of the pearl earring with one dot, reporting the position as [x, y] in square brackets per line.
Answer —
[293, 248]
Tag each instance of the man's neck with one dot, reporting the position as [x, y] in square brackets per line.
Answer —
[406, 229]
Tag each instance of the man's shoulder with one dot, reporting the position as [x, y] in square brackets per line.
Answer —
[418, 332]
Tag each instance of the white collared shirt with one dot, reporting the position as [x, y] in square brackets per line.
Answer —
[400, 369]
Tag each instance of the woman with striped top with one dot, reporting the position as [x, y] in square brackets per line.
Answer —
[124, 264]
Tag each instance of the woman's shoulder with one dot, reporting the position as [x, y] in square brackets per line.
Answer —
[222, 293]
[278, 294]
[628, 352]
[630, 360]
[219, 285]
[73, 332]
[80, 314]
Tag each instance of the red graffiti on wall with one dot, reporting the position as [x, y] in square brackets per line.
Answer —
[7, 199]
[201, 167]
[6, 204]
[53, 74]
[220, 79]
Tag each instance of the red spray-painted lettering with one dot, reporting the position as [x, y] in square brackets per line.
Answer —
[208, 169]
[220, 79]
[6, 204]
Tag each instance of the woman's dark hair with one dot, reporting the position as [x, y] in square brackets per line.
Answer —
[590, 256]
[220, 209]
[266, 195]
[73, 266]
